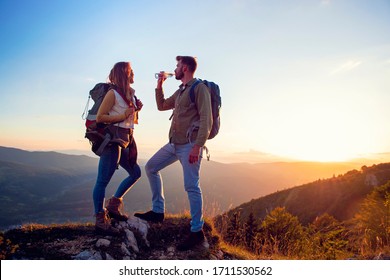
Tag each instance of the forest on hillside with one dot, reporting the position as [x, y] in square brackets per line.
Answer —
[281, 235]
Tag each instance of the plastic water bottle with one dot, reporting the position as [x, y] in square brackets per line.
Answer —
[164, 74]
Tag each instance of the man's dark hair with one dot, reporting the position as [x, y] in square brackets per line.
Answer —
[189, 61]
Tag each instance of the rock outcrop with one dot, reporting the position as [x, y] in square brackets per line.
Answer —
[138, 241]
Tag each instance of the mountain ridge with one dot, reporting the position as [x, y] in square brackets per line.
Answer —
[304, 206]
[69, 198]
[337, 196]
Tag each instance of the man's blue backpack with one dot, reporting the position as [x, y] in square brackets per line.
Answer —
[215, 104]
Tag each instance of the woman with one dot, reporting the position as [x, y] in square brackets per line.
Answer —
[119, 108]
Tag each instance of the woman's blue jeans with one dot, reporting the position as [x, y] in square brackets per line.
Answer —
[112, 156]
[167, 155]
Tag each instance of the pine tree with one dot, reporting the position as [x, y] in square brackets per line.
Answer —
[373, 219]
[250, 231]
[282, 231]
[327, 238]
[233, 234]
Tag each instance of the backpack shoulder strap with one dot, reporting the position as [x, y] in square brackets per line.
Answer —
[192, 89]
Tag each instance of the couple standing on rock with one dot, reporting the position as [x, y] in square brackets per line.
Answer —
[185, 147]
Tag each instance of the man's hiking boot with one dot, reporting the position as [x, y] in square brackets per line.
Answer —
[115, 208]
[151, 216]
[194, 239]
[103, 224]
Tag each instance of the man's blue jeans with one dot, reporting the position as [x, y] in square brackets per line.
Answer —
[167, 155]
[111, 156]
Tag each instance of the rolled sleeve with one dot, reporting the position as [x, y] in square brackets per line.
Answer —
[162, 103]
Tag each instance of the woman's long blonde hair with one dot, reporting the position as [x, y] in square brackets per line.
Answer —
[121, 76]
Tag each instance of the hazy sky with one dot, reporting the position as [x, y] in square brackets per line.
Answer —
[306, 80]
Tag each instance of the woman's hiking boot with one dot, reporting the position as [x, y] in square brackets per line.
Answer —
[115, 208]
[151, 216]
[103, 224]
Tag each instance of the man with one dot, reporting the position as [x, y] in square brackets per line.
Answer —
[190, 128]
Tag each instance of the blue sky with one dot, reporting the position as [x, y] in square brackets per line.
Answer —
[304, 80]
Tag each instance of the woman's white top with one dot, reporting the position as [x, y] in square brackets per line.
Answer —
[119, 108]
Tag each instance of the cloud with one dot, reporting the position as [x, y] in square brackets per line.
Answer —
[325, 2]
[347, 66]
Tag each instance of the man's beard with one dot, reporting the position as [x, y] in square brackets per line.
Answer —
[179, 75]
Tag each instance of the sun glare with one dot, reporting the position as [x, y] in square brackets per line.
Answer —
[320, 153]
[319, 144]
[315, 133]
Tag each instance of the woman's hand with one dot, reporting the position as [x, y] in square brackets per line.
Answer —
[139, 105]
[129, 112]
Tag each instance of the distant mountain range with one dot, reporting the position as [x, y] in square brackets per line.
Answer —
[50, 187]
